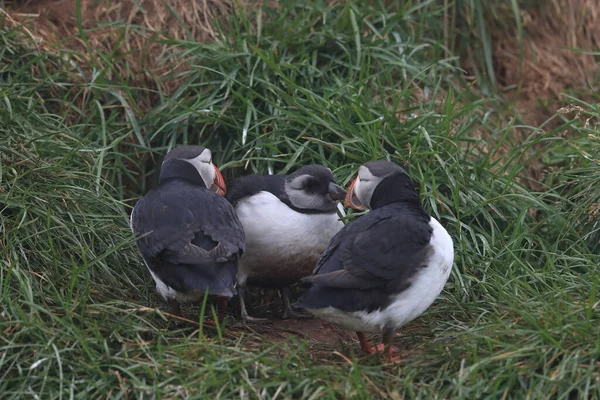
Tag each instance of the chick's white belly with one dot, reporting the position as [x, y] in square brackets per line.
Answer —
[281, 244]
[409, 304]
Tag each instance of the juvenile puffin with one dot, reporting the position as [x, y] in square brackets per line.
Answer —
[187, 233]
[385, 268]
[288, 221]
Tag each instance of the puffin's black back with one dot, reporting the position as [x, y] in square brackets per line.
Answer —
[246, 186]
[178, 213]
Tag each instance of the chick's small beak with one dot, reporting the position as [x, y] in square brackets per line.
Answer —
[351, 199]
[219, 183]
[336, 192]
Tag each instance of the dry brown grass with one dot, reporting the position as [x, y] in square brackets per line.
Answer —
[130, 30]
[534, 74]
[549, 65]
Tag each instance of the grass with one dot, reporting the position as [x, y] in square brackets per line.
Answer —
[337, 85]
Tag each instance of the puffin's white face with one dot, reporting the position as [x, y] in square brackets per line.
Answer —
[362, 188]
[204, 166]
[210, 174]
[313, 188]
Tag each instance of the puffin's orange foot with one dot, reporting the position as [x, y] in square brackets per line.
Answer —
[381, 349]
[391, 353]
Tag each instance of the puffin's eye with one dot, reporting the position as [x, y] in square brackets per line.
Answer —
[311, 184]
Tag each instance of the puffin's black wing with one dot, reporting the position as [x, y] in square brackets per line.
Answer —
[391, 248]
[371, 259]
[185, 224]
[329, 255]
[378, 248]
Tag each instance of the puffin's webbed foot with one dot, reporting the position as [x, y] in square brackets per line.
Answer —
[390, 352]
[288, 311]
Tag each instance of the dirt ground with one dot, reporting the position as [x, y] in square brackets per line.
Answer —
[266, 305]
[327, 342]
[313, 330]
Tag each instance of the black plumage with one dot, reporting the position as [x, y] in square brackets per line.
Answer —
[188, 235]
[193, 237]
[246, 186]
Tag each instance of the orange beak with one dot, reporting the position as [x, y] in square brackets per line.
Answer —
[351, 199]
[219, 183]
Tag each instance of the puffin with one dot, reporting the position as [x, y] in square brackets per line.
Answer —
[288, 221]
[385, 268]
[188, 234]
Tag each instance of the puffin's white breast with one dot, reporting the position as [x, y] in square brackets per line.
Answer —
[278, 233]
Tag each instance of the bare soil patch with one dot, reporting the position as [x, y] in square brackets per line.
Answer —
[559, 36]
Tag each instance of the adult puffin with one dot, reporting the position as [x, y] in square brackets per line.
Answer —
[288, 221]
[188, 234]
[385, 268]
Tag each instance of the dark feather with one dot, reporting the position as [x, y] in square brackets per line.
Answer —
[193, 237]
[250, 185]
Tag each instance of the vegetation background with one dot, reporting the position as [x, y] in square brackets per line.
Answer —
[492, 106]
